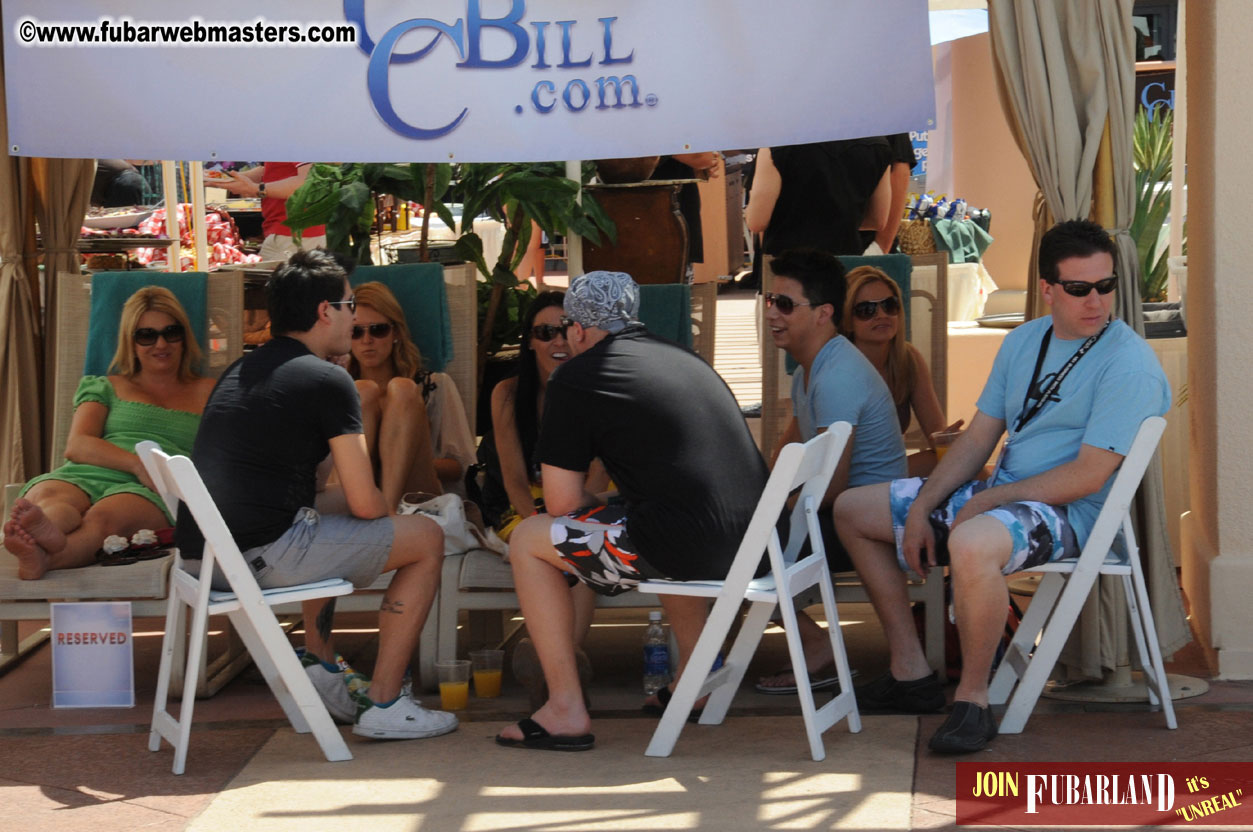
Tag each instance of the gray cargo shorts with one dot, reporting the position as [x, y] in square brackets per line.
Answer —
[317, 547]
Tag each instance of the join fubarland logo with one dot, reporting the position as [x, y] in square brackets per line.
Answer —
[548, 44]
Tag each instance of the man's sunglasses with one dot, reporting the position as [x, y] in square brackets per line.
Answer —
[147, 336]
[547, 332]
[785, 304]
[376, 330]
[867, 309]
[351, 303]
[1081, 288]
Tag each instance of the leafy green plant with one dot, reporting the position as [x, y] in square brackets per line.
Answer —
[515, 193]
[1153, 144]
[341, 197]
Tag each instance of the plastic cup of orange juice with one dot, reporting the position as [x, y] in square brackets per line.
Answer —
[943, 440]
[454, 683]
[486, 665]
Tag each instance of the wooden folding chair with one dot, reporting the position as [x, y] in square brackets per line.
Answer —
[1064, 588]
[808, 467]
[248, 608]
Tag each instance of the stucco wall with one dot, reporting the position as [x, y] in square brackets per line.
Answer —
[1218, 540]
[988, 169]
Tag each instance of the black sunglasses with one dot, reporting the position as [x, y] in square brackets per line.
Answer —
[786, 305]
[547, 332]
[1081, 288]
[351, 303]
[867, 309]
[376, 330]
[147, 336]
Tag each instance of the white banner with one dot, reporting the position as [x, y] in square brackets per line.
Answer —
[93, 664]
[458, 80]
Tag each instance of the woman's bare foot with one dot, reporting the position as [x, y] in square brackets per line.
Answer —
[32, 560]
[42, 530]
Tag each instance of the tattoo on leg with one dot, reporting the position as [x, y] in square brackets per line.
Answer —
[394, 607]
[323, 622]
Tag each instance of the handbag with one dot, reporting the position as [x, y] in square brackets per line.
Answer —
[460, 535]
[915, 237]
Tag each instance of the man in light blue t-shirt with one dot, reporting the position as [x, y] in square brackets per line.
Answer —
[1071, 390]
[834, 383]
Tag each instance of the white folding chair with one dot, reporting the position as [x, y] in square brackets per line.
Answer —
[1065, 586]
[808, 467]
[247, 607]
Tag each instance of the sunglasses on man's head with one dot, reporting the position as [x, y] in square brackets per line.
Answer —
[867, 309]
[376, 330]
[785, 304]
[547, 332]
[351, 303]
[147, 336]
[1081, 288]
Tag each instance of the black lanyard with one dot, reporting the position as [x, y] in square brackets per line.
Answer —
[1026, 415]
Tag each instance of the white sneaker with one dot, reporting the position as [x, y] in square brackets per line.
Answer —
[404, 719]
[333, 688]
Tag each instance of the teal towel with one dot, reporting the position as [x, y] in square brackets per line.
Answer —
[896, 266]
[419, 287]
[666, 309]
[109, 293]
[964, 241]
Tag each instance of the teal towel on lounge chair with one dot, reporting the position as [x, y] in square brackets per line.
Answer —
[109, 293]
[419, 287]
[896, 266]
[666, 309]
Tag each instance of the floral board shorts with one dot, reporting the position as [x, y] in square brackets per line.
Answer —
[1041, 532]
[594, 544]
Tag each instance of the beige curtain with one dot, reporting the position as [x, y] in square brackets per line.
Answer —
[62, 193]
[1066, 74]
[20, 418]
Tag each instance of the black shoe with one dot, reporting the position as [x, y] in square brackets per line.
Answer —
[919, 696]
[968, 728]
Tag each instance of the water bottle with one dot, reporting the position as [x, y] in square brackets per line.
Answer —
[656, 655]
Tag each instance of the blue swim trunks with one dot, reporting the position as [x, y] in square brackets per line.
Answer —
[1041, 532]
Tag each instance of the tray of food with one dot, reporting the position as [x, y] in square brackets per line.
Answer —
[112, 218]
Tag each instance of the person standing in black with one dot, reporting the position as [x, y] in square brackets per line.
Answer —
[819, 195]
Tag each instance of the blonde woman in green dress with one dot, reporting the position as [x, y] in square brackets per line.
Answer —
[63, 517]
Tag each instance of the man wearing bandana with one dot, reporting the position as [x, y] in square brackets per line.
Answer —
[673, 440]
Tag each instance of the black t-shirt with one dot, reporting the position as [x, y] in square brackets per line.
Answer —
[672, 438]
[826, 188]
[264, 431]
[902, 148]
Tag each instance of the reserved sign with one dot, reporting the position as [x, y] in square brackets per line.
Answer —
[92, 658]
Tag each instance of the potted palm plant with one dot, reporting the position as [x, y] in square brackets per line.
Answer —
[1153, 145]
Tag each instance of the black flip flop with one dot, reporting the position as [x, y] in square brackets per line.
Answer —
[664, 695]
[536, 736]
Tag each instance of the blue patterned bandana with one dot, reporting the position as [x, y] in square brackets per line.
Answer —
[608, 300]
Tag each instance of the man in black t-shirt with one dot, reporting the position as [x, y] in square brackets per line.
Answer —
[275, 421]
[673, 440]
